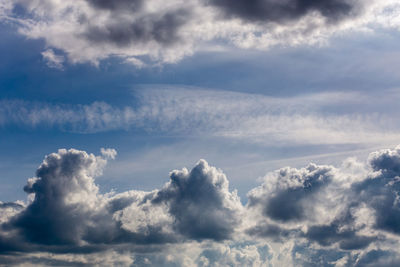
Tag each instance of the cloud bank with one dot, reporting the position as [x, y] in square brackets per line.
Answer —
[154, 32]
[319, 215]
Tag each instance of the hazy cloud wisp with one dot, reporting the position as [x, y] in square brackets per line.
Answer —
[252, 118]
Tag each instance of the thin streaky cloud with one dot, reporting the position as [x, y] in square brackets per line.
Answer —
[252, 118]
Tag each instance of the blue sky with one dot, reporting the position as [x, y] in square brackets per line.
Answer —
[168, 84]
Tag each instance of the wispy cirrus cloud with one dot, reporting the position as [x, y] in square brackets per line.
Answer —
[325, 118]
[52, 60]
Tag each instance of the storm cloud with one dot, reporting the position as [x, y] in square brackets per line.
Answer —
[317, 215]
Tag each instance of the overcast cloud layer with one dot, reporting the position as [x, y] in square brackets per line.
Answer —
[148, 32]
[319, 215]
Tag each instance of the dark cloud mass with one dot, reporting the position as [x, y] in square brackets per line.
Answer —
[163, 29]
[320, 216]
[123, 5]
[287, 194]
[201, 202]
[286, 10]
[381, 190]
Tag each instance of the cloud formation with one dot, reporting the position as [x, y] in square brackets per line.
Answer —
[52, 60]
[307, 119]
[163, 32]
[313, 216]
[201, 202]
[281, 11]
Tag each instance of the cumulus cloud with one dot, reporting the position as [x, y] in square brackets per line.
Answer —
[286, 194]
[67, 214]
[344, 209]
[64, 198]
[159, 31]
[381, 189]
[201, 202]
[312, 216]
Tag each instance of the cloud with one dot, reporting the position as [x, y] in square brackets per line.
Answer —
[65, 197]
[162, 30]
[307, 119]
[103, 259]
[156, 32]
[380, 190]
[108, 152]
[67, 214]
[269, 10]
[10, 209]
[316, 215]
[340, 209]
[201, 202]
[285, 195]
[52, 60]
[126, 5]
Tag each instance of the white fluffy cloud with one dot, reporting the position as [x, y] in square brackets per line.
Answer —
[317, 215]
[166, 31]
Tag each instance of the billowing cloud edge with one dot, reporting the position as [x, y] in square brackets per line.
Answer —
[147, 33]
[320, 214]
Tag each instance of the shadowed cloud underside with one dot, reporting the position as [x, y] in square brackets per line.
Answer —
[347, 213]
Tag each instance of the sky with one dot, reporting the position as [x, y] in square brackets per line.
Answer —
[199, 133]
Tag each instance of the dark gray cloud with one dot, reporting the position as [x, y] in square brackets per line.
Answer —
[327, 235]
[381, 190]
[122, 5]
[63, 192]
[286, 195]
[283, 11]
[378, 257]
[272, 231]
[201, 203]
[163, 29]
[386, 161]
